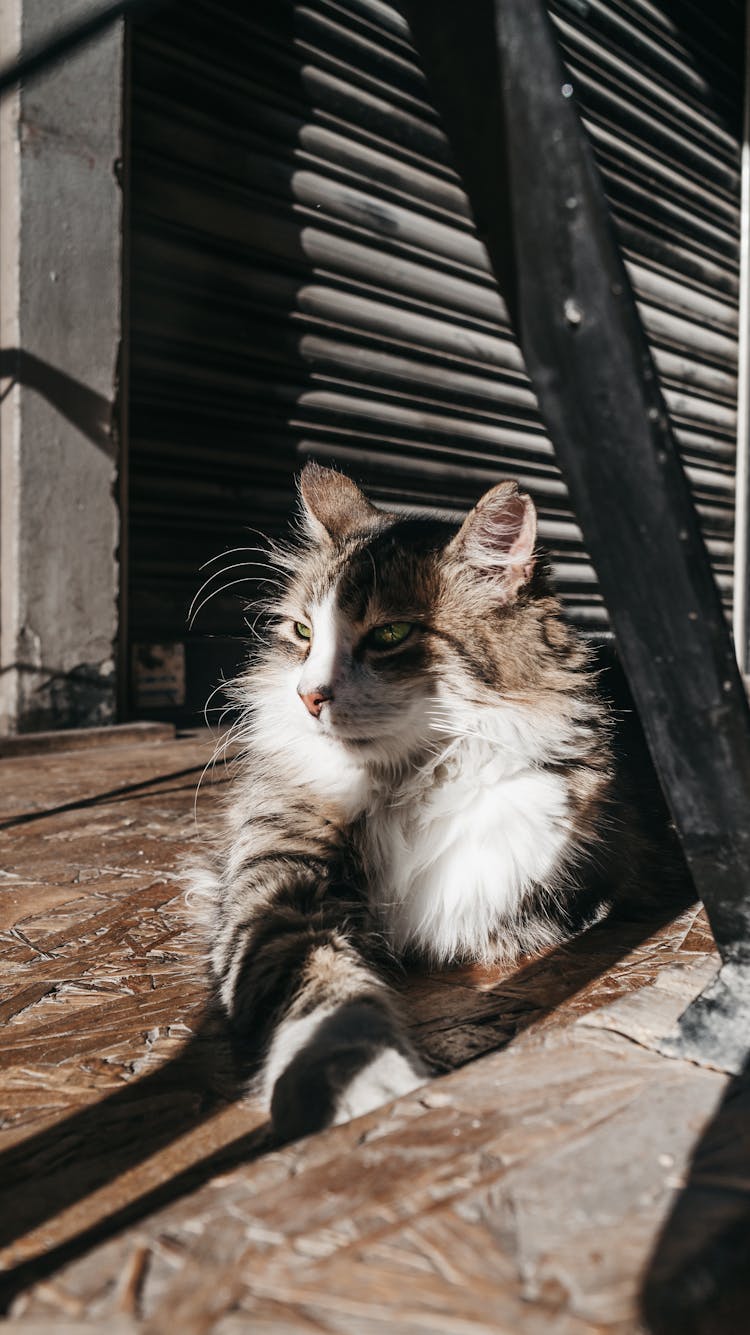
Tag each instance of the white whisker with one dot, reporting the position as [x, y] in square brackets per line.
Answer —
[232, 551]
[236, 565]
[215, 593]
[220, 687]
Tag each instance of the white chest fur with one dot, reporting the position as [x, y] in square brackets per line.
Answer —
[451, 857]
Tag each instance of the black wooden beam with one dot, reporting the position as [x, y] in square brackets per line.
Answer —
[598, 391]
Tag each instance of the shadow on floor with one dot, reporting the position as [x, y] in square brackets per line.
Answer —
[48, 1172]
[698, 1278]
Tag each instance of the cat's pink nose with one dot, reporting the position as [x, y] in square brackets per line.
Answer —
[314, 700]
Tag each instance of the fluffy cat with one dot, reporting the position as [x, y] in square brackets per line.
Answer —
[426, 772]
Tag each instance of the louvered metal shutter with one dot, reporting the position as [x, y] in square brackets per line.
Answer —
[661, 89]
[306, 278]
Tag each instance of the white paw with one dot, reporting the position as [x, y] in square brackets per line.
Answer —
[389, 1076]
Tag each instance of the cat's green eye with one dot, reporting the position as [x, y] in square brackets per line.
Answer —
[395, 632]
[302, 630]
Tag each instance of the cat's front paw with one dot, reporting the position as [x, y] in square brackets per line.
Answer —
[387, 1077]
[355, 1061]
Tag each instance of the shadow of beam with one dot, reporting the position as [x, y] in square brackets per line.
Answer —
[244, 1149]
[698, 1279]
[83, 407]
[143, 786]
[48, 1172]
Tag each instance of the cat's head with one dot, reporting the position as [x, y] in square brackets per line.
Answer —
[390, 624]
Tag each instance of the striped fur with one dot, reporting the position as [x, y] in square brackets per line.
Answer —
[448, 797]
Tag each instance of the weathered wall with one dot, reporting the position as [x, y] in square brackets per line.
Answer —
[60, 264]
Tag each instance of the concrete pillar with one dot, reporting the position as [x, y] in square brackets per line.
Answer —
[60, 300]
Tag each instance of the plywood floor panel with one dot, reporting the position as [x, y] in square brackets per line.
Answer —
[523, 1191]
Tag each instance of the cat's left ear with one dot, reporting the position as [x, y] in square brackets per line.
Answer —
[498, 536]
[333, 506]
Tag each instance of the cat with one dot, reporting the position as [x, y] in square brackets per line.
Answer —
[426, 773]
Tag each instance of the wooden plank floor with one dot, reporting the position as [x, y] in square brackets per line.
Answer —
[530, 1189]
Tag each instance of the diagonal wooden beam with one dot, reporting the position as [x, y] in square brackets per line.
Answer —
[513, 121]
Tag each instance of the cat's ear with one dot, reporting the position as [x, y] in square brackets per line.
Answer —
[498, 536]
[333, 505]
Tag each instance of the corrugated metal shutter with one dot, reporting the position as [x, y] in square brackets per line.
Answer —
[660, 86]
[306, 278]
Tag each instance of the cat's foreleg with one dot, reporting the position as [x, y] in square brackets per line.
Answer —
[302, 973]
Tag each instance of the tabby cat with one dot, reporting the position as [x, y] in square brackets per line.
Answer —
[426, 773]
